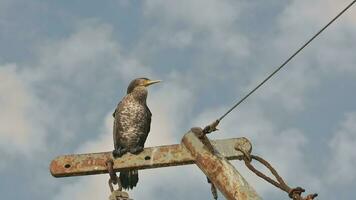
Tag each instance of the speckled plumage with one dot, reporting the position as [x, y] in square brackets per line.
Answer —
[131, 126]
[132, 121]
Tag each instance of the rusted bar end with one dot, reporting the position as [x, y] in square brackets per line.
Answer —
[74, 165]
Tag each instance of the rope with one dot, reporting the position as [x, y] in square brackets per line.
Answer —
[293, 193]
[212, 127]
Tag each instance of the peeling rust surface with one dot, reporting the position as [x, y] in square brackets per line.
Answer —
[221, 173]
[153, 157]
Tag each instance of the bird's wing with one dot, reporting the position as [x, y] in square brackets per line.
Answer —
[114, 113]
[115, 128]
[147, 128]
[148, 120]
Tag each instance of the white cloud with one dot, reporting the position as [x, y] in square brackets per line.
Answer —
[208, 25]
[81, 49]
[342, 164]
[18, 132]
[177, 39]
[171, 104]
[80, 57]
[289, 88]
[103, 142]
[209, 14]
[316, 12]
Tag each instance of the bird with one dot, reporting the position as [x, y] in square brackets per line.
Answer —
[132, 124]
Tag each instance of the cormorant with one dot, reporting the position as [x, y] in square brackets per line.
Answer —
[131, 125]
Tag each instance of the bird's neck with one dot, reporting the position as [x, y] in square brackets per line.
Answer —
[139, 94]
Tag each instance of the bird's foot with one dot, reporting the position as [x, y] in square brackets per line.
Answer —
[136, 150]
[119, 152]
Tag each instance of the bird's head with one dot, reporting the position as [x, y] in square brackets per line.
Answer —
[140, 82]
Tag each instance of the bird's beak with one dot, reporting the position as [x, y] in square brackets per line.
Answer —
[150, 82]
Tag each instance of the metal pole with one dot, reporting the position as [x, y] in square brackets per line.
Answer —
[218, 169]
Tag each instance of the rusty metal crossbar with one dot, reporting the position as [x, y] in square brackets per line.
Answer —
[152, 157]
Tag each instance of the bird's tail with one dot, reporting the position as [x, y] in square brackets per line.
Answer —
[129, 179]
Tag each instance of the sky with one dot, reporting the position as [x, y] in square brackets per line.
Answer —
[64, 66]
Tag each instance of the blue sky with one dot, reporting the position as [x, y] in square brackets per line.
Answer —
[64, 65]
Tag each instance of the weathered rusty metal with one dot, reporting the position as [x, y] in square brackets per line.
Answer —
[153, 157]
[211, 160]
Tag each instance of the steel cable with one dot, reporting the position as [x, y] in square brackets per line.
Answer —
[287, 61]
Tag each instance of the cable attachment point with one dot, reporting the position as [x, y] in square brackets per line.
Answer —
[296, 194]
[211, 127]
[311, 196]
